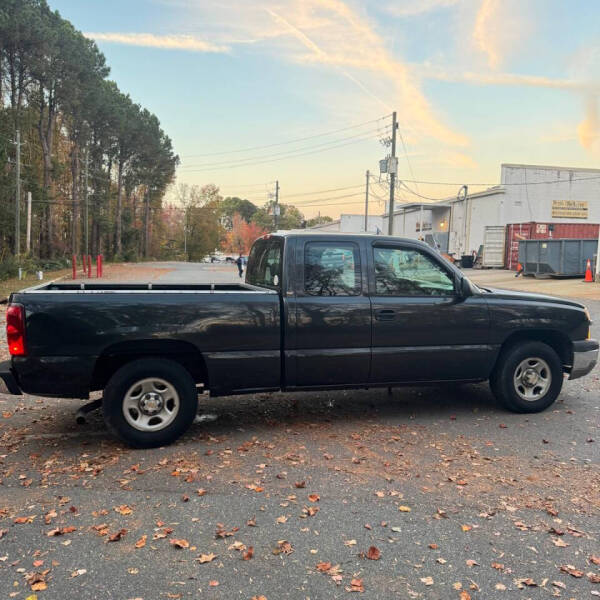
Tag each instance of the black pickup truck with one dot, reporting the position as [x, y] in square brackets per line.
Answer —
[317, 311]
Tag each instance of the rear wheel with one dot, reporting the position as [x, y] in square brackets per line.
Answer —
[528, 377]
[150, 402]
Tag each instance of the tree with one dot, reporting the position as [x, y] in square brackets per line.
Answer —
[54, 88]
[234, 205]
[289, 218]
[242, 235]
[203, 229]
[320, 220]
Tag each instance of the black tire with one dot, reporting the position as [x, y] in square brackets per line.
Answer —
[503, 383]
[147, 368]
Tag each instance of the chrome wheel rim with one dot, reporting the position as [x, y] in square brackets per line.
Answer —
[532, 379]
[151, 404]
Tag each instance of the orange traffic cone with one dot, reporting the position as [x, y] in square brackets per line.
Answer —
[588, 271]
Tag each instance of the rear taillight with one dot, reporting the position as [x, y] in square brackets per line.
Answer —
[15, 330]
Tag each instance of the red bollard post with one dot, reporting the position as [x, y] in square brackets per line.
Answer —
[89, 266]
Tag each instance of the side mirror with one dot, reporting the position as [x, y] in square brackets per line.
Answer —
[465, 288]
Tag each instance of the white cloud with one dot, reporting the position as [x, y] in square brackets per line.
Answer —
[188, 43]
[411, 8]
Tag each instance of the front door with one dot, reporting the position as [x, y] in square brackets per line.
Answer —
[422, 328]
[332, 316]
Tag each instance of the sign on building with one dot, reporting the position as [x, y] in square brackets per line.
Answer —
[569, 209]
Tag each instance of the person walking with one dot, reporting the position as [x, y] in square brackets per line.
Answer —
[240, 265]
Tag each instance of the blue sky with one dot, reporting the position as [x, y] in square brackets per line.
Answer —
[475, 83]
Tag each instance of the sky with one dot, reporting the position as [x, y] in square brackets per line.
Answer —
[302, 91]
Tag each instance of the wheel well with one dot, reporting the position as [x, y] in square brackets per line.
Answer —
[114, 357]
[557, 340]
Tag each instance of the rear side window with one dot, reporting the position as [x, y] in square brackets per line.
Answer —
[331, 269]
[264, 263]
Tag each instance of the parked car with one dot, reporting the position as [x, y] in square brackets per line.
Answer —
[316, 311]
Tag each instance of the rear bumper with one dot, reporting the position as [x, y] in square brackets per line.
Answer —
[8, 382]
[585, 357]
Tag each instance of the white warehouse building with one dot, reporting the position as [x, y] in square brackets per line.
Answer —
[527, 193]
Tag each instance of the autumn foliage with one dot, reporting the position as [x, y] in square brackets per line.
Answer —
[242, 235]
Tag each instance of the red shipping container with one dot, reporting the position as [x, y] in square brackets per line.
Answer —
[543, 231]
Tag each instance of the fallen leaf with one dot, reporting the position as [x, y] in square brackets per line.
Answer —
[300, 484]
[251, 522]
[201, 492]
[350, 543]
[472, 563]
[526, 581]
[323, 566]
[500, 587]
[179, 543]
[213, 583]
[464, 595]
[595, 559]
[61, 531]
[283, 546]
[593, 578]
[281, 519]
[38, 563]
[356, 585]
[373, 553]
[314, 497]
[403, 508]
[123, 509]
[249, 553]
[427, 580]
[141, 542]
[115, 537]
[206, 558]
[433, 546]
[21, 520]
[571, 570]
[466, 527]
[560, 542]
[498, 566]
[40, 586]
[78, 572]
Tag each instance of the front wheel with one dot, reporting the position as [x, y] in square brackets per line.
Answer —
[150, 402]
[528, 377]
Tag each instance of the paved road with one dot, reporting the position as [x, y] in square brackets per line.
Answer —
[198, 272]
[457, 495]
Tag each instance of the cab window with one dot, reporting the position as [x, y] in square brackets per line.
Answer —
[331, 269]
[409, 272]
[264, 263]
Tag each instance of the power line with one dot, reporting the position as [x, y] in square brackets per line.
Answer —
[231, 166]
[276, 154]
[302, 139]
[350, 187]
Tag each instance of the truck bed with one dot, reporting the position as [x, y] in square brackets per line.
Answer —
[143, 287]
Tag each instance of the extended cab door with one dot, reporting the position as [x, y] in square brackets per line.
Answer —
[328, 340]
[423, 330]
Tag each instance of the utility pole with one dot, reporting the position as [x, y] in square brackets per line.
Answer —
[86, 207]
[367, 201]
[392, 175]
[276, 206]
[28, 242]
[18, 198]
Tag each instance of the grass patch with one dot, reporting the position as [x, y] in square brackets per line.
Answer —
[15, 284]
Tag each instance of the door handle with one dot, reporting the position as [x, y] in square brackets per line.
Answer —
[385, 314]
